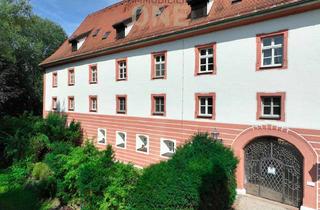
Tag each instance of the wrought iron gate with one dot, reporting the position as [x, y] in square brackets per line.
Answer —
[274, 170]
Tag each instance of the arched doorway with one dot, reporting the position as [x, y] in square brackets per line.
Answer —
[274, 170]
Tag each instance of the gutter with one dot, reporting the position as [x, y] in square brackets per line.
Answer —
[262, 15]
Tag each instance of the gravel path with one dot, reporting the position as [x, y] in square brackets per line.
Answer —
[248, 202]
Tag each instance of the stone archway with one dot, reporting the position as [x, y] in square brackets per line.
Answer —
[309, 156]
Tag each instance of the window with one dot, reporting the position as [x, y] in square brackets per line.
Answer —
[121, 104]
[54, 103]
[102, 136]
[93, 74]
[54, 79]
[71, 103]
[74, 45]
[270, 106]
[205, 61]
[95, 33]
[71, 77]
[159, 65]
[142, 143]
[272, 50]
[121, 139]
[121, 69]
[198, 10]
[205, 105]
[167, 147]
[105, 35]
[158, 104]
[93, 103]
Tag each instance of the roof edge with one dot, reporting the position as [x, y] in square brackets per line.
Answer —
[249, 18]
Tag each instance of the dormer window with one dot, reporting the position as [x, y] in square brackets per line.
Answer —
[74, 45]
[77, 41]
[123, 28]
[199, 8]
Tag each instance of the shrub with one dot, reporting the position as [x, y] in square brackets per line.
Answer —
[199, 176]
[38, 147]
[123, 179]
[56, 128]
[94, 177]
[41, 171]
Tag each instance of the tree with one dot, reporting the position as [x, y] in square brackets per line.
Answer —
[25, 40]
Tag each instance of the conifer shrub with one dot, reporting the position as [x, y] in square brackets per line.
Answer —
[201, 175]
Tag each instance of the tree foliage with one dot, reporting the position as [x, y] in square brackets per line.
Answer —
[25, 40]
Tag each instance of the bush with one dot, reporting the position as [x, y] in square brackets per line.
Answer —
[122, 181]
[56, 129]
[38, 147]
[41, 171]
[199, 176]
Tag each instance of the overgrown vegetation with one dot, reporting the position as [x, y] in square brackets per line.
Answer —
[46, 167]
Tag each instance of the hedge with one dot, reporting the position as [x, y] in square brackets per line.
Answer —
[201, 175]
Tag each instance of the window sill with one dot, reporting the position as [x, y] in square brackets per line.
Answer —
[122, 79]
[93, 110]
[54, 86]
[70, 84]
[269, 118]
[271, 67]
[103, 144]
[204, 117]
[121, 112]
[156, 78]
[91, 82]
[121, 146]
[70, 110]
[205, 73]
[158, 114]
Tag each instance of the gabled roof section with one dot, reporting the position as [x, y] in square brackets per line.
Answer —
[175, 18]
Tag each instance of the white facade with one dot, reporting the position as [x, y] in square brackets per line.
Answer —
[235, 84]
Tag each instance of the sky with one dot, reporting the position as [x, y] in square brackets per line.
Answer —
[68, 13]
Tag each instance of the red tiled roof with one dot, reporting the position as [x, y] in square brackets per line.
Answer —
[175, 17]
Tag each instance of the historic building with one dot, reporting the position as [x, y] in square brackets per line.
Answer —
[144, 76]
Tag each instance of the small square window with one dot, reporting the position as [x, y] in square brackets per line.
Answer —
[102, 136]
[167, 147]
[121, 139]
[158, 104]
[204, 105]
[271, 106]
[142, 143]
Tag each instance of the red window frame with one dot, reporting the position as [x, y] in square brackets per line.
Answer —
[91, 98]
[153, 104]
[153, 64]
[54, 101]
[118, 104]
[196, 99]
[70, 71]
[259, 38]
[118, 69]
[90, 74]
[71, 98]
[197, 49]
[259, 105]
[54, 79]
